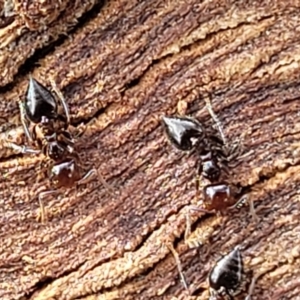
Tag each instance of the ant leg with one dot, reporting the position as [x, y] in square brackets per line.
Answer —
[178, 263]
[87, 177]
[24, 121]
[81, 130]
[94, 172]
[196, 208]
[67, 138]
[105, 184]
[188, 219]
[73, 133]
[251, 288]
[246, 198]
[233, 154]
[22, 149]
[18, 148]
[61, 98]
[188, 226]
[43, 214]
[215, 118]
[197, 185]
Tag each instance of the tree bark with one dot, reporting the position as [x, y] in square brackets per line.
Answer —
[121, 66]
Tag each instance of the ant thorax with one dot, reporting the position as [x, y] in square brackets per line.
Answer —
[56, 150]
[209, 166]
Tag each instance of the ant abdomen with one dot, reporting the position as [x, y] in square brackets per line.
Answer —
[39, 102]
[227, 276]
[183, 132]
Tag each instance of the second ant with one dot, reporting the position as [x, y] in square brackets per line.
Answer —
[188, 134]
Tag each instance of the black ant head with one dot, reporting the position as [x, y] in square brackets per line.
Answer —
[217, 196]
[183, 132]
[226, 276]
[39, 102]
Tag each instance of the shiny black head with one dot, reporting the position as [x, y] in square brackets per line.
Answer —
[227, 275]
[183, 132]
[39, 102]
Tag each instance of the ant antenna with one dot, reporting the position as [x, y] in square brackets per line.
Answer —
[215, 118]
[61, 98]
[178, 263]
[24, 121]
[251, 288]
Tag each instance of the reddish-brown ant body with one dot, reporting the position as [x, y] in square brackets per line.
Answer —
[48, 130]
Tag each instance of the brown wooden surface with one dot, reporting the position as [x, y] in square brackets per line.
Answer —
[122, 66]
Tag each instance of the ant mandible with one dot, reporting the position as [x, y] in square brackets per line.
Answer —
[50, 135]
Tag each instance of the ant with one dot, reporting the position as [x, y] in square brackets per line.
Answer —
[228, 278]
[188, 134]
[51, 136]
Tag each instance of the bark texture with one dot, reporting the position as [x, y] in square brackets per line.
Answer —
[121, 65]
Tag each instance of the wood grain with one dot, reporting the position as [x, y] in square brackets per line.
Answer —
[121, 65]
